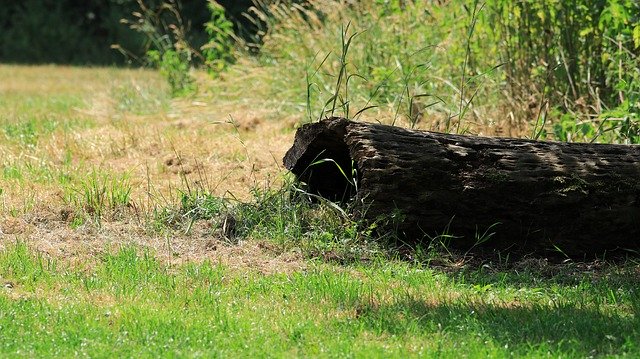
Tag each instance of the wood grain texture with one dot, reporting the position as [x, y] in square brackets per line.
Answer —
[525, 196]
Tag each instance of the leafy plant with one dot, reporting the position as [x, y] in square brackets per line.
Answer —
[218, 51]
[169, 48]
[579, 55]
[167, 43]
[175, 67]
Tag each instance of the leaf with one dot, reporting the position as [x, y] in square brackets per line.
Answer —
[585, 32]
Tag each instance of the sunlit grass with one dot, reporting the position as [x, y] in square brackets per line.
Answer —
[133, 304]
[58, 124]
[136, 224]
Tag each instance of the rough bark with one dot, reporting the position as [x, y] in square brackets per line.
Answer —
[476, 192]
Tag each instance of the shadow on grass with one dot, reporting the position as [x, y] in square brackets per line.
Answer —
[564, 328]
[537, 272]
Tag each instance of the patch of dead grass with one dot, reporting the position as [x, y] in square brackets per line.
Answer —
[224, 146]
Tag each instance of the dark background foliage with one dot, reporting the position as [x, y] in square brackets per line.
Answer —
[82, 31]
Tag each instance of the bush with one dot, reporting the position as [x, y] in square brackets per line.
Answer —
[579, 53]
[170, 49]
[218, 51]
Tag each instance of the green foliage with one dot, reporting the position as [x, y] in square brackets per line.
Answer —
[287, 216]
[402, 57]
[218, 51]
[175, 68]
[291, 220]
[167, 43]
[618, 126]
[170, 48]
[199, 204]
[478, 60]
[580, 55]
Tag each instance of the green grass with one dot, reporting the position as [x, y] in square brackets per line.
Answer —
[28, 131]
[100, 192]
[40, 103]
[128, 303]
[97, 153]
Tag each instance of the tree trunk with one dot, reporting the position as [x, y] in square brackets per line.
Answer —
[483, 193]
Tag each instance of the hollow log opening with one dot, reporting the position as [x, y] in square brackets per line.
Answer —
[323, 162]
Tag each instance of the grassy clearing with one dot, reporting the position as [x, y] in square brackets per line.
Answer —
[130, 303]
[120, 236]
[97, 157]
[59, 124]
[135, 223]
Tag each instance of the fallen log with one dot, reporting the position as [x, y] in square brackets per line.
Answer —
[518, 195]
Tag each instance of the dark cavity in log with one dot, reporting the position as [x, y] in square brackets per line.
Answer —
[323, 162]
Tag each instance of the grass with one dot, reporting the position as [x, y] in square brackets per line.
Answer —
[134, 304]
[133, 223]
[168, 230]
[495, 67]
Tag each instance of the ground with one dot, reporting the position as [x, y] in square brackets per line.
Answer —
[94, 162]
[63, 123]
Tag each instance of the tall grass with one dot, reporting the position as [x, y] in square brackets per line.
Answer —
[100, 194]
[285, 216]
[356, 56]
[579, 58]
[168, 45]
[560, 70]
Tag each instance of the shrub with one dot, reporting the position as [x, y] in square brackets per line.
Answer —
[218, 51]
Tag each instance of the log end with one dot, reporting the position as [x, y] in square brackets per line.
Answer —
[321, 159]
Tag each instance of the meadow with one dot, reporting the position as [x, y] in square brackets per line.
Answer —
[147, 213]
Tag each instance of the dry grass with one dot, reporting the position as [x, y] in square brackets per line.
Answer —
[120, 122]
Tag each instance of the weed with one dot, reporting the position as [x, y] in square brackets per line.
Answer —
[100, 194]
[484, 237]
[168, 48]
[585, 47]
[175, 67]
[200, 205]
